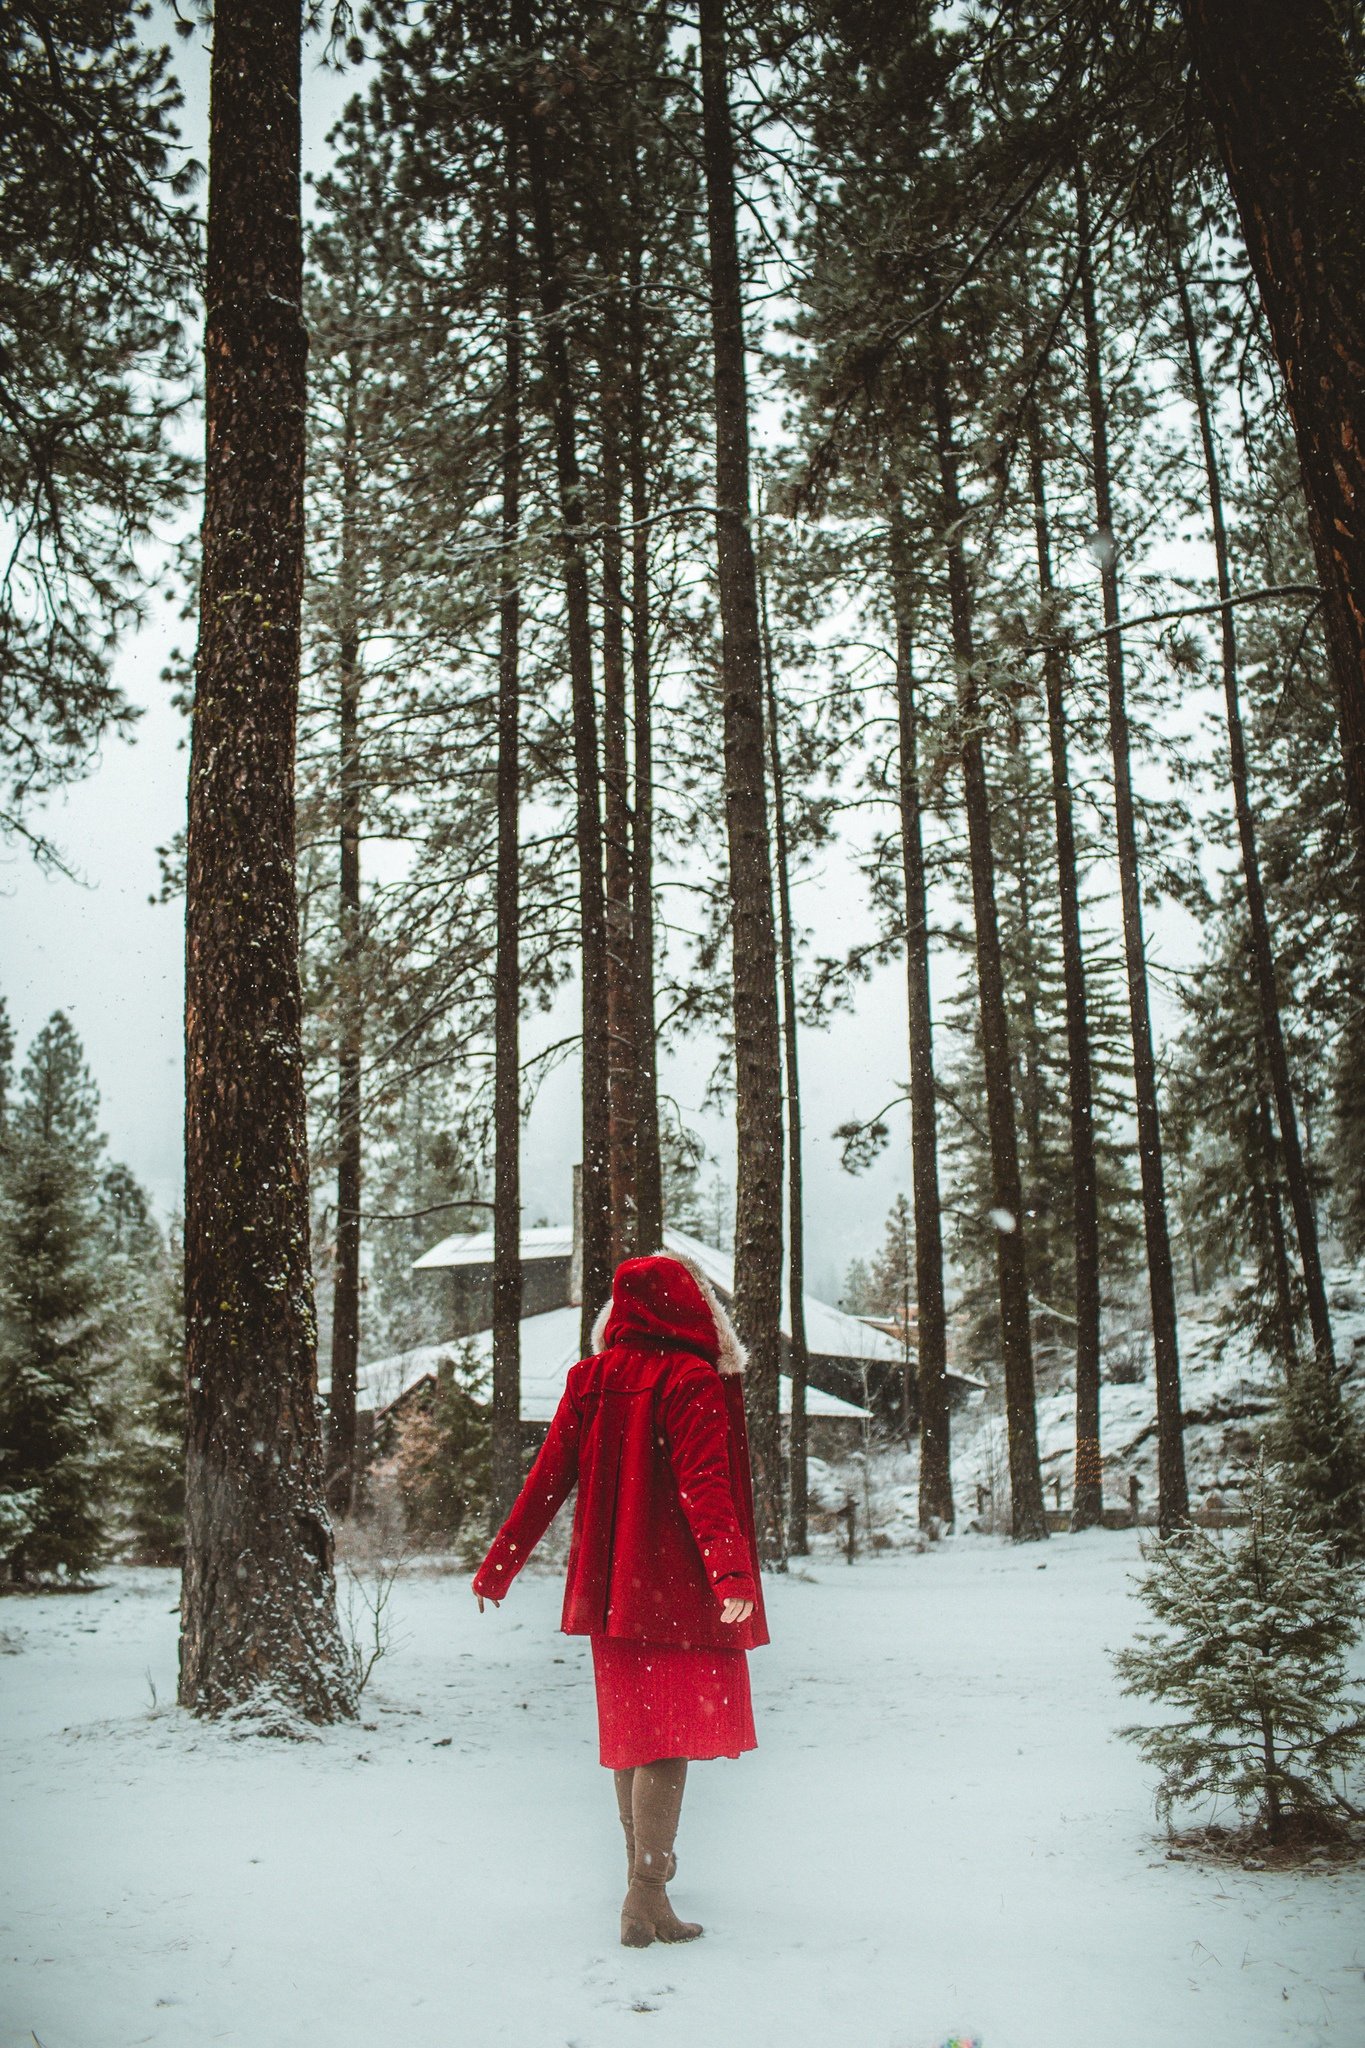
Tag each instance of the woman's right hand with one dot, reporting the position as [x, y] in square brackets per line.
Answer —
[736, 1611]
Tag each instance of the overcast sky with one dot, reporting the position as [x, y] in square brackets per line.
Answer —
[105, 952]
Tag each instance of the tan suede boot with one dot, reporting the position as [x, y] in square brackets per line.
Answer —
[656, 1802]
[625, 1793]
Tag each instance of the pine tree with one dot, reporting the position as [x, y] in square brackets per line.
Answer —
[893, 1269]
[443, 1454]
[858, 1296]
[54, 1420]
[6, 1070]
[1032, 942]
[1257, 1624]
[1173, 1489]
[258, 1598]
[1318, 1436]
[757, 1032]
[1233, 1196]
[1281, 89]
[98, 268]
[152, 1450]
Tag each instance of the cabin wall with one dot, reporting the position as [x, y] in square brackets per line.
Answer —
[469, 1294]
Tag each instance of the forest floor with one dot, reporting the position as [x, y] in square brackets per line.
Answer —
[939, 1835]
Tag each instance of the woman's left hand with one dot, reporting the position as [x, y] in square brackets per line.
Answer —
[736, 1610]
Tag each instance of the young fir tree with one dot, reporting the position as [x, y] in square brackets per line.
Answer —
[858, 1295]
[443, 1454]
[1257, 1624]
[54, 1422]
[1318, 1435]
[892, 1286]
[144, 1353]
[151, 1418]
[1232, 1195]
[6, 1066]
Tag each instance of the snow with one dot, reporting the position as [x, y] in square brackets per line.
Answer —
[550, 1344]
[938, 1834]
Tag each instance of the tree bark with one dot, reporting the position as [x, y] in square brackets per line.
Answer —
[507, 1272]
[1262, 949]
[758, 1052]
[341, 1429]
[1029, 1517]
[798, 1356]
[935, 1467]
[1087, 1491]
[622, 997]
[1281, 93]
[258, 1602]
[649, 1193]
[1172, 1490]
[596, 1193]
[1266, 1196]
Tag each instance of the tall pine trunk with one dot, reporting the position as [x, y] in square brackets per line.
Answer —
[935, 1469]
[1262, 949]
[1172, 1490]
[622, 1000]
[258, 1601]
[758, 1051]
[1028, 1515]
[1282, 94]
[649, 1193]
[798, 1500]
[507, 1273]
[595, 1185]
[341, 1424]
[1266, 1199]
[1087, 1488]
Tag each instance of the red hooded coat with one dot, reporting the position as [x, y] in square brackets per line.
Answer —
[651, 1430]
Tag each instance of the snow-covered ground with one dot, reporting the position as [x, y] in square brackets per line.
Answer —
[938, 1834]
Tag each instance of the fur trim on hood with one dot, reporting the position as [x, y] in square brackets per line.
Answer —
[731, 1356]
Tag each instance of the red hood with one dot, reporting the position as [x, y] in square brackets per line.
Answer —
[657, 1301]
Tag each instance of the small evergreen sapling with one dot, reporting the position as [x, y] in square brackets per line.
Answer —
[1257, 1623]
[1317, 1438]
[152, 1452]
[54, 1415]
[443, 1454]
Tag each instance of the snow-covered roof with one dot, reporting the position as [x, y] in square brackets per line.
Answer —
[549, 1346]
[829, 1331]
[475, 1248]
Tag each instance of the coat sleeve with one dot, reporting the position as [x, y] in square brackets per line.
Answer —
[548, 1485]
[696, 1431]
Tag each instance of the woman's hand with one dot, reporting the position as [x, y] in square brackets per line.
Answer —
[735, 1611]
[481, 1597]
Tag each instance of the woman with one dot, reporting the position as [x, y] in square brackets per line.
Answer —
[663, 1566]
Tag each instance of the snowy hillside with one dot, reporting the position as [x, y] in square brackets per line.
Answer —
[1228, 1391]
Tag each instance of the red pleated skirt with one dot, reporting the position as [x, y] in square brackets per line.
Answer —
[654, 1700]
